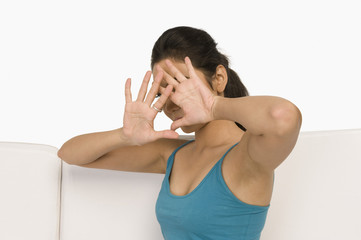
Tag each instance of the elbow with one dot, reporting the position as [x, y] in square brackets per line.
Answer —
[63, 157]
[287, 118]
[59, 154]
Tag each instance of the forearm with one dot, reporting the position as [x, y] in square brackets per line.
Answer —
[89, 147]
[258, 114]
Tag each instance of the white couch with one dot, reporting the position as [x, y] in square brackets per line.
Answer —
[317, 195]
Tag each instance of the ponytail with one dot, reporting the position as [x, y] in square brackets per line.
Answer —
[234, 89]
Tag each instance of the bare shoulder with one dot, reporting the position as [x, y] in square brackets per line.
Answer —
[169, 145]
[241, 156]
[238, 163]
[249, 181]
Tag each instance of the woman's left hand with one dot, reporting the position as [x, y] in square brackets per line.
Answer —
[191, 95]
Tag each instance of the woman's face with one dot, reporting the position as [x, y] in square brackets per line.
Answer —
[172, 110]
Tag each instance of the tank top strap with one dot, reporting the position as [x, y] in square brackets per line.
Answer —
[171, 157]
[219, 163]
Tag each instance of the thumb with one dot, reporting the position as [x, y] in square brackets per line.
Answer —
[178, 123]
[167, 134]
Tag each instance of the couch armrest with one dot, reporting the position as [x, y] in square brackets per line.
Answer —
[30, 176]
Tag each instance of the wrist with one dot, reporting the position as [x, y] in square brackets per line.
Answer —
[124, 140]
[215, 107]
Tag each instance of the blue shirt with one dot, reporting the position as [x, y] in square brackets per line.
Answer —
[210, 212]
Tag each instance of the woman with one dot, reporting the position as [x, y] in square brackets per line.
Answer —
[219, 185]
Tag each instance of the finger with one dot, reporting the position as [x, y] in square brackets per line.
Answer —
[163, 98]
[174, 71]
[191, 71]
[177, 124]
[143, 89]
[162, 89]
[170, 80]
[175, 98]
[154, 89]
[128, 93]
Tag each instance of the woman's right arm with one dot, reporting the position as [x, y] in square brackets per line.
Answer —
[111, 150]
[88, 147]
[134, 147]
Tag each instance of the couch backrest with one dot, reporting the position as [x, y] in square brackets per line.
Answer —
[106, 204]
[317, 191]
[316, 194]
[29, 191]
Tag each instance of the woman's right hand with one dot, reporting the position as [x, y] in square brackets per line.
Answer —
[139, 115]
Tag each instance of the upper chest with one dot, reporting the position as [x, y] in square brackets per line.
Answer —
[190, 168]
[240, 175]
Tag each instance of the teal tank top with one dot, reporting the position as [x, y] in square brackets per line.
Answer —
[210, 212]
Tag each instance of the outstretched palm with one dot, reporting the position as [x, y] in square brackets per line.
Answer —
[139, 115]
[191, 94]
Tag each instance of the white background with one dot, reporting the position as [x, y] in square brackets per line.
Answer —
[63, 64]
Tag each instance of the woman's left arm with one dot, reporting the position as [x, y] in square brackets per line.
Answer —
[273, 125]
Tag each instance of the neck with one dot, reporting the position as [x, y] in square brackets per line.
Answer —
[217, 134]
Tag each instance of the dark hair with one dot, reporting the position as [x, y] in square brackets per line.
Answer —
[200, 47]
